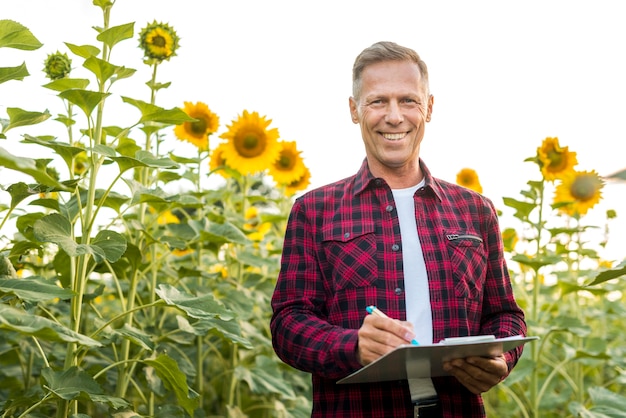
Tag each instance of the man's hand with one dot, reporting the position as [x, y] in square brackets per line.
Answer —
[378, 336]
[478, 374]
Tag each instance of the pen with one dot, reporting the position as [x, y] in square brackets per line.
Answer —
[373, 310]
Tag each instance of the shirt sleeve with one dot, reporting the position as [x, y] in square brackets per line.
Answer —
[301, 336]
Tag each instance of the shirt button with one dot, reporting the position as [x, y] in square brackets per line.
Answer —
[395, 247]
[389, 208]
[398, 291]
[346, 235]
[378, 182]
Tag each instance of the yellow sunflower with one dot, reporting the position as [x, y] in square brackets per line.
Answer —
[469, 178]
[217, 161]
[578, 192]
[555, 161]
[289, 165]
[158, 41]
[250, 146]
[198, 131]
[298, 185]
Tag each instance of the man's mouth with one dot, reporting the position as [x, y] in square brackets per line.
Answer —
[394, 137]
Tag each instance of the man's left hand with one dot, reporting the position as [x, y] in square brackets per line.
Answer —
[478, 374]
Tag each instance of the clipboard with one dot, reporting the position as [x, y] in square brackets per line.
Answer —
[416, 361]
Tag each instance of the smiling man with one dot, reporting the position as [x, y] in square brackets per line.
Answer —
[426, 252]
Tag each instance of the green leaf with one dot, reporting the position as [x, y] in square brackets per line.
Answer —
[34, 289]
[619, 175]
[536, 261]
[28, 166]
[19, 117]
[174, 116]
[84, 51]
[13, 319]
[116, 34]
[200, 307]
[266, 377]
[228, 330]
[65, 151]
[15, 35]
[19, 192]
[609, 275]
[143, 159]
[63, 84]
[102, 69]
[168, 371]
[606, 399]
[86, 100]
[523, 209]
[74, 383]
[137, 336]
[112, 244]
[57, 229]
[13, 73]
[224, 232]
[153, 113]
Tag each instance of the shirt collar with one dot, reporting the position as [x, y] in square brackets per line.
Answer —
[364, 178]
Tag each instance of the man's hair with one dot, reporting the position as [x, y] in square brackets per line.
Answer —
[382, 52]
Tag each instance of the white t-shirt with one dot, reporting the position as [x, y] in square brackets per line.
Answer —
[417, 295]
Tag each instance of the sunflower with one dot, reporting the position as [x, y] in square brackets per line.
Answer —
[158, 41]
[301, 184]
[469, 178]
[251, 147]
[217, 161]
[578, 192]
[555, 161]
[289, 165]
[198, 131]
[57, 66]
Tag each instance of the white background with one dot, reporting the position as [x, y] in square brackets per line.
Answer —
[505, 75]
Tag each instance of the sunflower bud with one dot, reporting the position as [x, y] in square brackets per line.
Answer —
[158, 41]
[57, 66]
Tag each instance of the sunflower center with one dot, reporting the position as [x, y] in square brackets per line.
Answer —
[584, 188]
[285, 162]
[250, 144]
[158, 40]
[199, 127]
[556, 160]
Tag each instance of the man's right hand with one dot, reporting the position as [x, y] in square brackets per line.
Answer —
[378, 336]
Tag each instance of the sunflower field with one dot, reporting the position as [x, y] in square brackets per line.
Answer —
[135, 278]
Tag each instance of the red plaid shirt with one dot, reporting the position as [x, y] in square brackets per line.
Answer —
[342, 252]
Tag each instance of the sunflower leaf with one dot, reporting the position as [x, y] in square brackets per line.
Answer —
[63, 84]
[13, 73]
[116, 34]
[20, 117]
[28, 166]
[84, 51]
[86, 100]
[34, 289]
[15, 35]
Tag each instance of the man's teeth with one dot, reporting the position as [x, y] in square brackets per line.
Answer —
[394, 136]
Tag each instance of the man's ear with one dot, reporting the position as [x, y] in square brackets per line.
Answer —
[353, 110]
[429, 111]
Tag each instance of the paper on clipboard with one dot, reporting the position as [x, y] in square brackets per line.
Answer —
[415, 361]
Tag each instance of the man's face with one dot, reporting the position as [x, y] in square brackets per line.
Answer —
[392, 110]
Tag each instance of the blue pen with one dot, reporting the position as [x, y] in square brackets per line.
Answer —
[373, 310]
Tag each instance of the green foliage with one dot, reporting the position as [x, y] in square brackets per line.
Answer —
[127, 285]
[574, 301]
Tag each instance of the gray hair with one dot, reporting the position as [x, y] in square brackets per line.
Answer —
[382, 52]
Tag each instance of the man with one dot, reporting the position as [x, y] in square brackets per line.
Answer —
[424, 251]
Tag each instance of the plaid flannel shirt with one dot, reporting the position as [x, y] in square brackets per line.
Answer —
[342, 252]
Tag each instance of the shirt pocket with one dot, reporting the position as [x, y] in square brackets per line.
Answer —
[351, 255]
[468, 258]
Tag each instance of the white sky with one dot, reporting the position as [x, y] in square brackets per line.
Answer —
[505, 75]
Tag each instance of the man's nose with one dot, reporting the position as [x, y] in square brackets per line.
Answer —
[394, 113]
